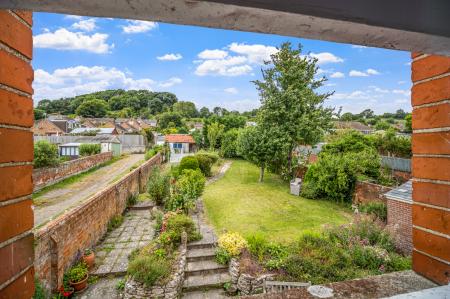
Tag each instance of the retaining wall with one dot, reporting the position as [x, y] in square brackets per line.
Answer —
[399, 220]
[61, 242]
[366, 192]
[43, 177]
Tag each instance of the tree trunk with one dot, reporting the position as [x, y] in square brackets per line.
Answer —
[290, 163]
[261, 174]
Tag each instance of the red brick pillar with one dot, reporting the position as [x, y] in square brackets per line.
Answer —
[16, 155]
[431, 166]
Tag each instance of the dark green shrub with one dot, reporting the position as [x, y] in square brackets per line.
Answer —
[152, 152]
[187, 189]
[158, 186]
[78, 272]
[222, 256]
[228, 147]
[39, 292]
[149, 269]
[212, 155]
[378, 209]
[89, 149]
[45, 154]
[178, 223]
[205, 163]
[188, 162]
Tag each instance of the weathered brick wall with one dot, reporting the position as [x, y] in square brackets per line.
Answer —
[399, 220]
[366, 192]
[431, 166]
[50, 175]
[16, 155]
[402, 176]
[60, 242]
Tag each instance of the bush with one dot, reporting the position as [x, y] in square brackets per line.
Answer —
[178, 223]
[158, 220]
[152, 152]
[188, 162]
[158, 186]
[78, 272]
[205, 163]
[222, 256]
[186, 190]
[229, 144]
[378, 209]
[45, 154]
[149, 269]
[232, 243]
[212, 155]
[89, 149]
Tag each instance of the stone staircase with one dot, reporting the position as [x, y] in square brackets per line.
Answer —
[204, 277]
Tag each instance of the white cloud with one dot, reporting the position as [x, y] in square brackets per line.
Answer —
[354, 73]
[331, 84]
[401, 82]
[240, 105]
[405, 92]
[171, 82]
[372, 72]
[73, 17]
[212, 54]
[337, 75]
[85, 25]
[78, 80]
[408, 63]
[326, 57]
[138, 26]
[255, 53]
[354, 95]
[359, 47]
[229, 66]
[63, 39]
[170, 57]
[232, 90]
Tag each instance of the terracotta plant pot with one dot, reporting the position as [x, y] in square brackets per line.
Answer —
[89, 260]
[79, 286]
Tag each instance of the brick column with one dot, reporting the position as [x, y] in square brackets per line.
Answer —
[431, 166]
[16, 155]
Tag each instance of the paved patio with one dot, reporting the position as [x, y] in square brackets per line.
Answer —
[112, 254]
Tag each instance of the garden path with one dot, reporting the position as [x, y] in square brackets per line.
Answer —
[56, 202]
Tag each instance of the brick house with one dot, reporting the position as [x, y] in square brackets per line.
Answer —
[45, 127]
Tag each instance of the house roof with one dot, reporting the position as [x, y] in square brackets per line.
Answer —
[402, 192]
[355, 125]
[45, 127]
[99, 130]
[181, 138]
[98, 139]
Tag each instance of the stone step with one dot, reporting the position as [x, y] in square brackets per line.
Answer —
[145, 205]
[209, 294]
[205, 282]
[204, 267]
[201, 254]
[203, 243]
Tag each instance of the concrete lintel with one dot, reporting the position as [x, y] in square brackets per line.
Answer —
[354, 30]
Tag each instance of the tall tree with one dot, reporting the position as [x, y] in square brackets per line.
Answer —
[186, 109]
[93, 108]
[215, 132]
[290, 103]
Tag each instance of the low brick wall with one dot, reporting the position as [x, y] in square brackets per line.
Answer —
[366, 192]
[50, 175]
[399, 221]
[60, 242]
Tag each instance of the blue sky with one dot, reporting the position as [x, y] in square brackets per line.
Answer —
[211, 67]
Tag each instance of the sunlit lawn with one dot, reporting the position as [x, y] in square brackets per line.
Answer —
[237, 202]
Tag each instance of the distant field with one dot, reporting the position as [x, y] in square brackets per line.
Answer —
[237, 202]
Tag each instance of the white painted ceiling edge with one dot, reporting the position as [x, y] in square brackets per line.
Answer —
[227, 16]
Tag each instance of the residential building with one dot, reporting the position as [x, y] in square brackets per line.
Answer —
[96, 131]
[108, 143]
[353, 125]
[45, 127]
[180, 143]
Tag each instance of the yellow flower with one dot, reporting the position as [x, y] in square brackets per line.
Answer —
[233, 243]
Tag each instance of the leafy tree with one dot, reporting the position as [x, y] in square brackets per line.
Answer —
[158, 186]
[232, 121]
[290, 103]
[38, 114]
[169, 120]
[204, 112]
[348, 141]
[347, 116]
[408, 123]
[229, 144]
[198, 137]
[259, 146]
[367, 113]
[45, 154]
[89, 149]
[400, 114]
[382, 125]
[215, 132]
[92, 108]
[185, 109]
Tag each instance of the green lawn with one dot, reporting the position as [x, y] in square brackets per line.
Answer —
[237, 202]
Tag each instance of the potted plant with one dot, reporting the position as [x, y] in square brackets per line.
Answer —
[78, 276]
[66, 291]
[89, 258]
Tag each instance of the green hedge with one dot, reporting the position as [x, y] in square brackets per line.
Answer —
[89, 149]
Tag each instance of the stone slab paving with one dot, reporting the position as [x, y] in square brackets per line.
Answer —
[135, 232]
[104, 289]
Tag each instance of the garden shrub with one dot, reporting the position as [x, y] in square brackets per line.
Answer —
[228, 147]
[152, 152]
[212, 155]
[149, 269]
[89, 149]
[222, 256]
[187, 189]
[232, 243]
[158, 215]
[178, 223]
[78, 272]
[158, 186]
[188, 162]
[132, 200]
[45, 154]
[205, 163]
[378, 209]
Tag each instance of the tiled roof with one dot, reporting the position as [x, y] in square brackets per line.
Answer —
[356, 125]
[402, 193]
[46, 127]
[181, 138]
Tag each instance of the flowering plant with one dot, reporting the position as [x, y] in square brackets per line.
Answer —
[233, 243]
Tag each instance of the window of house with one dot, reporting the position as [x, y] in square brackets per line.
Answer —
[178, 145]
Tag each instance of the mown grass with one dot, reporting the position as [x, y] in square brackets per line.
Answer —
[71, 180]
[237, 202]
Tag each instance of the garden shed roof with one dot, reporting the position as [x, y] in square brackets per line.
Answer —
[402, 192]
[181, 138]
